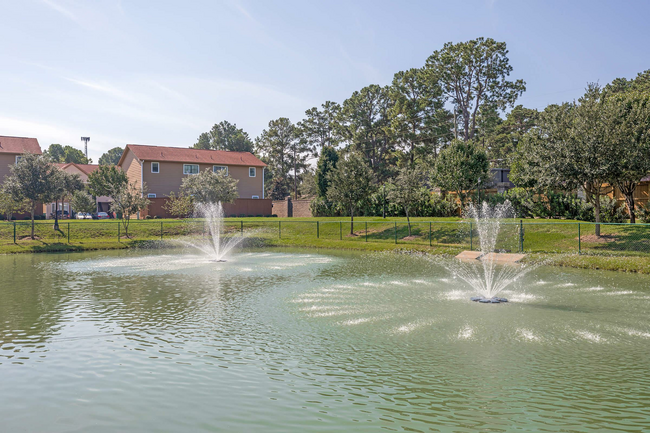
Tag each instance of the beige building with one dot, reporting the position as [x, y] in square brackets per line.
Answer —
[162, 170]
[11, 149]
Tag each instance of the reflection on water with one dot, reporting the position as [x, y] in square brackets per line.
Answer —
[294, 340]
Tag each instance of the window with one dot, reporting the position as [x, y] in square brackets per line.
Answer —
[155, 167]
[256, 196]
[220, 169]
[151, 195]
[18, 158]
[190, 168]
[251, 172]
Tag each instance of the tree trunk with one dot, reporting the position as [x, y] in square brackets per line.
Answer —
[351, 221]
[408, 220]
[629, 200]
[56, 214]
[597, 215]
[33, 208]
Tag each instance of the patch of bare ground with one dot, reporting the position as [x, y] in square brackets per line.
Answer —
[29, 238]
[602, 239]
[410, 238]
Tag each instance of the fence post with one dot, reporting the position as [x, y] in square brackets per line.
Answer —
[366, 231]
[521, 236]
[340, 231]
[279, 229]
[241, 227]
[579, 239]
[429, 233]
[471, 237]
[14, 232]
[395, 232]
[68, 232]
[118, 231]
[161, 230]
[317, 230]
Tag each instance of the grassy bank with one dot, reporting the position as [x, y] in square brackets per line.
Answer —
[622, 247]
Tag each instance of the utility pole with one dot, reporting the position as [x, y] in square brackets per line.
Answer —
[85, 140]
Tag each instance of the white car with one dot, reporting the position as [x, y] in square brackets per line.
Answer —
[84, 216]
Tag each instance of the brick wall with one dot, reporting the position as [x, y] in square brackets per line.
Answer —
[292, 208]
[241, 206]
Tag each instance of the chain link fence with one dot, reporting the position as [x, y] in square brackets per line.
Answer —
[530, 236]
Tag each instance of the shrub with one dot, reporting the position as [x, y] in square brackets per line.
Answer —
[148, 217]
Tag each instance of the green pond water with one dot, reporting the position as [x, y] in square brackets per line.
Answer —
[295, 340]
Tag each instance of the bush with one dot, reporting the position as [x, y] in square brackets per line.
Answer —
[322, 208]
[643, 213]
[610, 212]
[148, 217]
[156, 217]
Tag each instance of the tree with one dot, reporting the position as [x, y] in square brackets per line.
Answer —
[351, 182]
[285, 155]
[502, 140]
[418, 118]
[473, 75]
[112, 157]
[407, 190]
[65, 154]
[460, 166]
[64, 184]
[9, 205]
[320, 127]
[326, 163]
[366, 128]
[128, 200]
[33, 178]
[81, 201]
[210, 187]
[225, 136]
[569, 149]
[107, 180]
[179, 206]
[308, 187]
[627, 118]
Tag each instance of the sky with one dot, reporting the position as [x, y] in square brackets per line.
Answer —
[161, 72]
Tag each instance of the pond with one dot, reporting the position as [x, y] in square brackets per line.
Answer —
[305, 340]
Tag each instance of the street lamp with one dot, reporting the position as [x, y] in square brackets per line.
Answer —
[85, 140]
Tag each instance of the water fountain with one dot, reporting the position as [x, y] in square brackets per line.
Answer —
[213, 244]
[486, 270]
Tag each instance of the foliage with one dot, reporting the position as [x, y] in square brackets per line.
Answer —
[627, 119]
[308, 187]
[319, 129]
[286, 156]
[460, 166]
[33, 178]
[64, 184]
[326, 163]
[407, 190]
[473, 75]
[9, 205]
[366, 128]
[179, 206]
[350, 182]
[82, 202]
[549, 204]
[128, 200]
[112, 157]
[210, 187]
[418, 118]
[225, 136]
[503, 139]
[65, 154]
[107, 180]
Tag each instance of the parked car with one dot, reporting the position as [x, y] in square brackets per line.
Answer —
[84, 216]
[102, 216]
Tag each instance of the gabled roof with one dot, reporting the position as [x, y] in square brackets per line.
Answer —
[85, 168]
[190, 155]
[19, 145]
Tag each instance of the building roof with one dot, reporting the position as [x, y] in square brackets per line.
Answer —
[19, 145]
[86, 168]
[190, 155]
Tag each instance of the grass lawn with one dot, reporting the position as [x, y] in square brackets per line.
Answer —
[622, 247]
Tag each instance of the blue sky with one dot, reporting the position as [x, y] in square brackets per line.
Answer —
[161, 72]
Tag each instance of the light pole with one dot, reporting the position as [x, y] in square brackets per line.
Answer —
[85, 140]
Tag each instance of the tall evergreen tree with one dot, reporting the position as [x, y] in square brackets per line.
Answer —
[225, 136]
[319, 128]
[329, 157]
